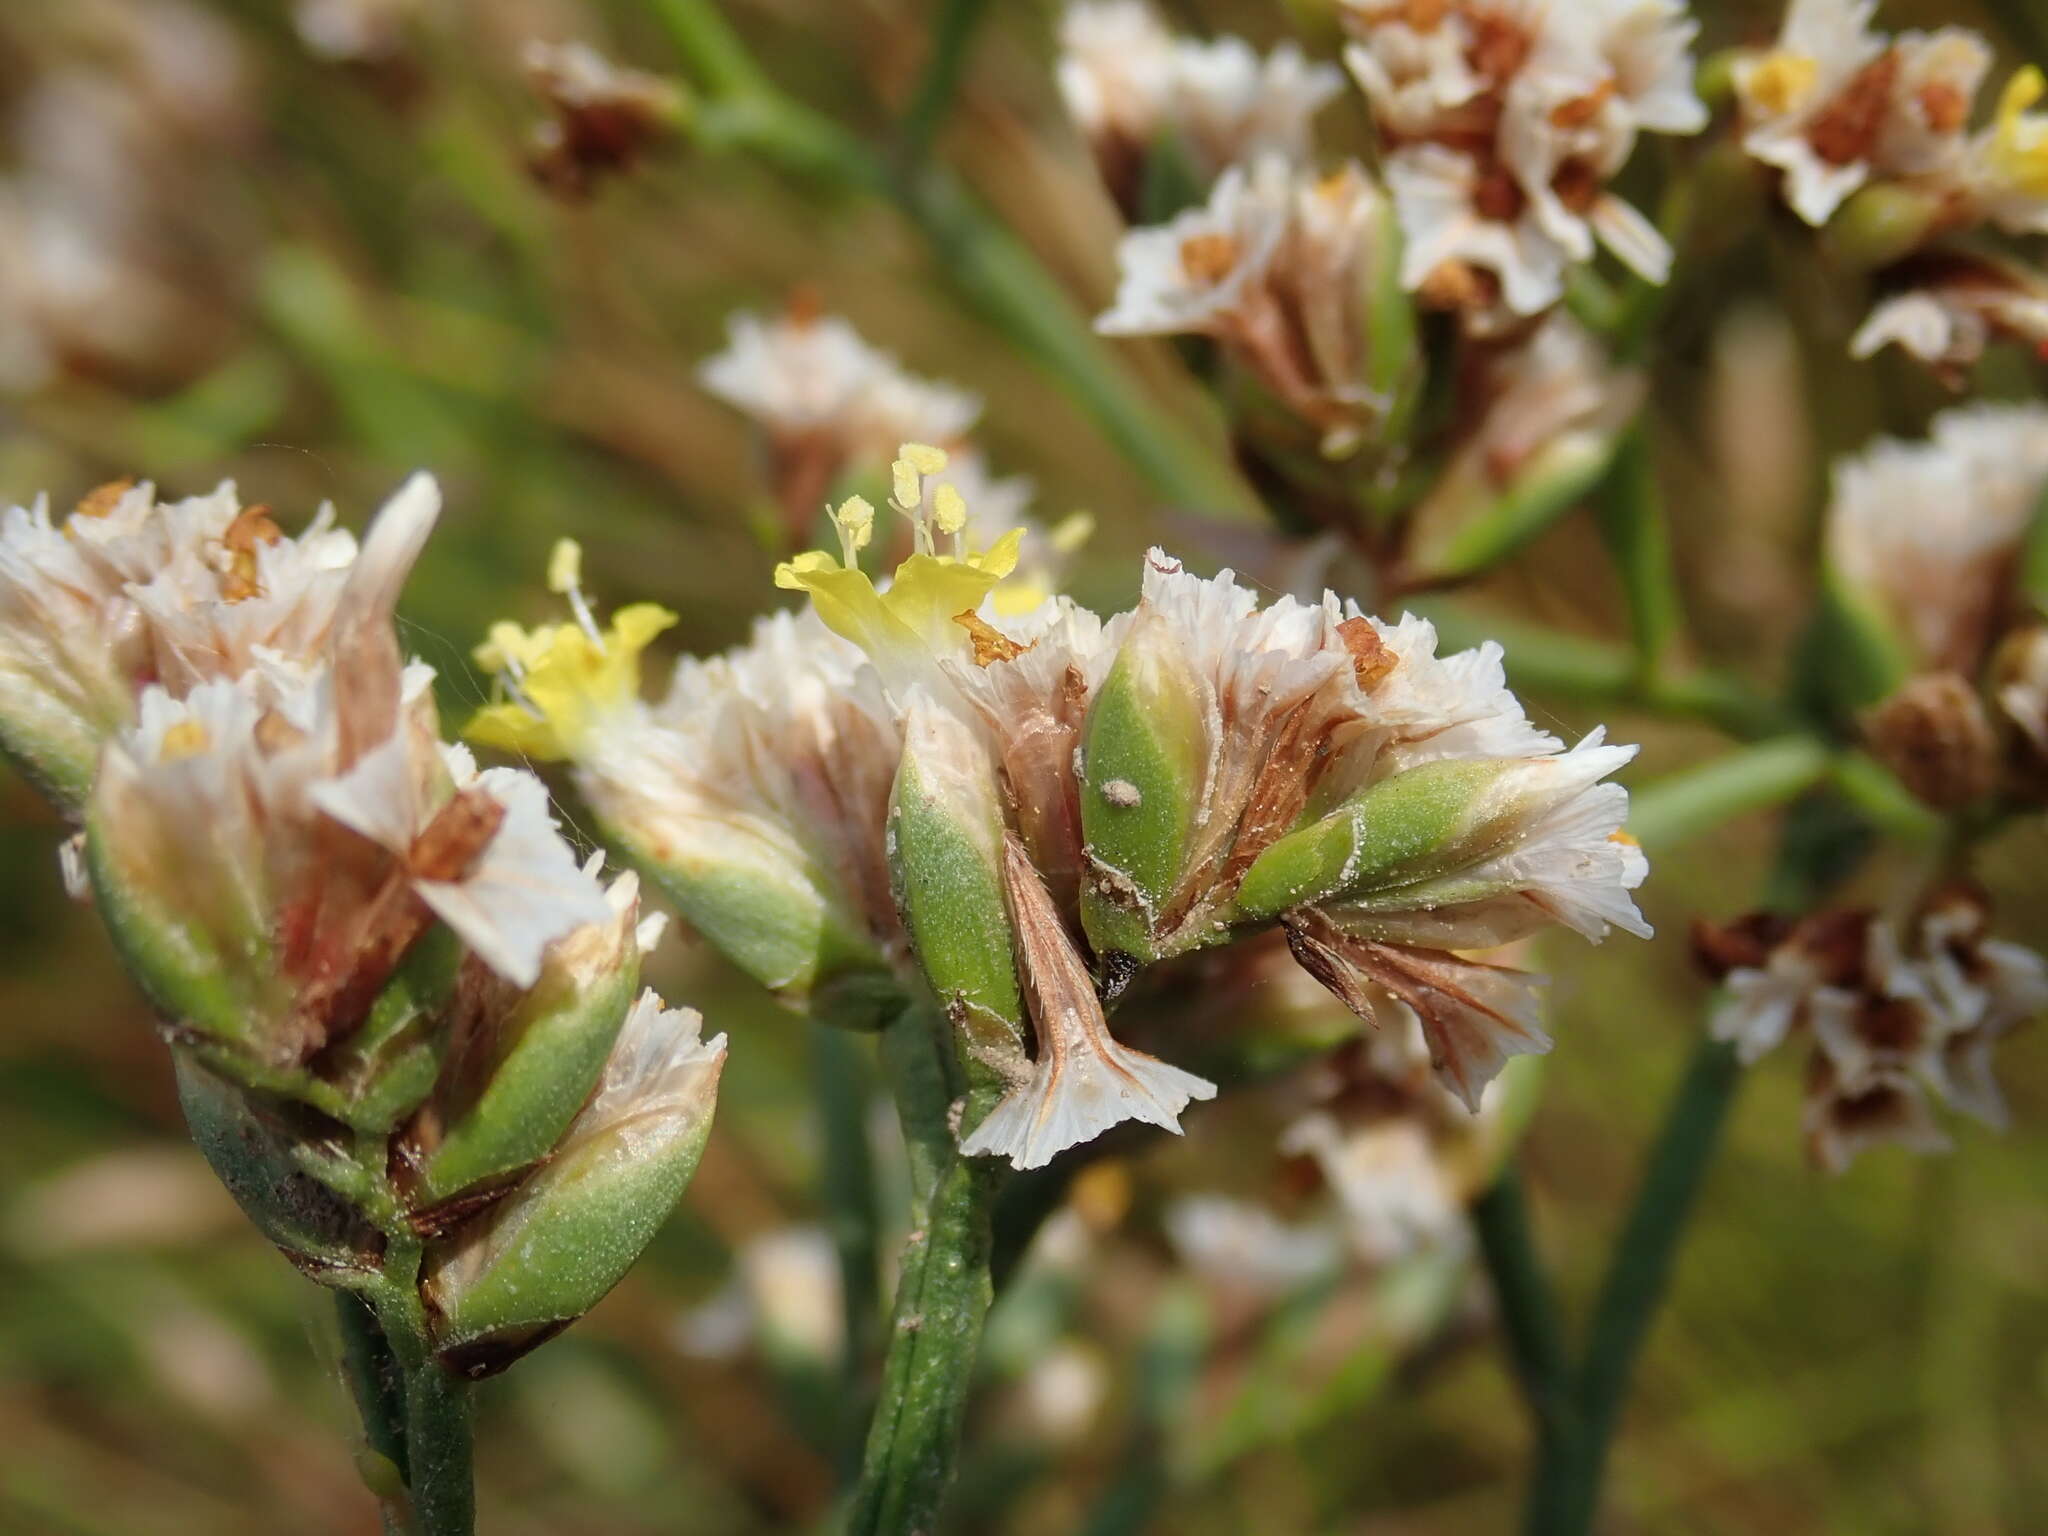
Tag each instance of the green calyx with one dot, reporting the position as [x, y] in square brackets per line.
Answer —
[1423, 822]
[1146, 748]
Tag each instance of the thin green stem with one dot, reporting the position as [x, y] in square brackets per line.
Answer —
[942, 1299]
[1630, 512]
[1543, 660]
[1528, 1310]
[1696, 800]
[941, 82]
[1567, 1491]
[994, 270]
[841, 1077]
[378, 1387]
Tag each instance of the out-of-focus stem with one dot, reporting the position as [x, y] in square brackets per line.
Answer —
[942, 1297]
[1528, 1310]
[1566, 1495]
[1596, 672]
[1696, 800]
[1630, 511]
[988, 264]
[941, 81]
[842, 1082]
[378, 1387]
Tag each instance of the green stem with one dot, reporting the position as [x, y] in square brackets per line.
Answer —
[941, 82]
[1528, 1311]
[842, 1081]
[1543, 660]
[1567, 1492]
[1696, 800]
[1630, 512]
[942, 1299]
[992, 268]
[439, 1441]
[378, 1387]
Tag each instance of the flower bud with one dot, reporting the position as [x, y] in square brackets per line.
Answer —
[1885, 222]
[1934, 733]
[536, 1261]
[946, 841]
[1146, 750]
[518, 1077]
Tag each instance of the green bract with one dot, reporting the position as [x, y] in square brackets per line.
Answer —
[1146, 749]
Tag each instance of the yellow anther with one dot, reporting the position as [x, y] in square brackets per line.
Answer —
[187, 738]
[907, 489]
[1071, 532]
[2020, 142]
[1780, 82]
[949, 509]
[923, 457]
[565, 566]
[855, 520]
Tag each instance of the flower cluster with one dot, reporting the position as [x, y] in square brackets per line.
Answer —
[342, 921]
[604, 118]
[1144, 96]
[1061, 801]
[1503, 125]
[1923, 543]
[1873, 134]
[1892, 1011]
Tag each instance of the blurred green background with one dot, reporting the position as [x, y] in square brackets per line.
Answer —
[223, 254]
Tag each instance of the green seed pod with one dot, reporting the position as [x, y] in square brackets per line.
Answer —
[1146, 747]
[515, 1085]
[1884, 222]
[524, 1269]
[1427, 821]
[946, 841]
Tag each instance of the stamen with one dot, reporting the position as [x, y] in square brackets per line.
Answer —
[855, 521]
[565, 577]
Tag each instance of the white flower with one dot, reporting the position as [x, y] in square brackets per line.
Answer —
[128, 591]
[1416, 78]
[1390, 1182]
[272, 765]
[1245, 1247]
[1116, 70]
[1952, 310]
[1600, 72]
[1458, 216]
[1235, 108]
[1274, 267]
[353, 30]
[1193, 274]
[1794, 112]
[1927, 531]
[1844, 1121]
[1835, 104]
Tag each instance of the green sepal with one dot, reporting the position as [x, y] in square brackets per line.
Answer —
[227, 1003]
[517, 1274]
[386, 1069]
[526, 1086]
[758, 911]
[1145, 749]
[1853, 655]
[1556, 480]
[250, 1145]
[945, 853]
[1426, 821]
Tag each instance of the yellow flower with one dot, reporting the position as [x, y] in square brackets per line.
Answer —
[1781, 81]
[567, 681]
[913, 621]
[2019, 143]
